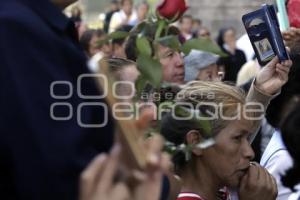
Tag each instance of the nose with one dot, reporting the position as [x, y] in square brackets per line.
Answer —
[248, 152]
[178, 60]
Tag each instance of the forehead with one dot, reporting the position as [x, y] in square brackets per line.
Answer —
[187, 19]
[127, 2]
[211, 67]
[163, 50]
[238, 126]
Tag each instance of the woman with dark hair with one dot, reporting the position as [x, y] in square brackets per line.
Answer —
[291, 138]
[89, 41]
[236, 58]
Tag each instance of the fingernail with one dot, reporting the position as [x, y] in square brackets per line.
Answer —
[153, 159]
[116, 149]
[101, 157]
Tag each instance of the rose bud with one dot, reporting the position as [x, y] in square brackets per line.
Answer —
[170, 9]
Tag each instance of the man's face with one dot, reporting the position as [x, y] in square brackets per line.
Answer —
[63, 3]
[127, 7]
[142, 11]
[187, 24]
[172, 65]
[114, 7]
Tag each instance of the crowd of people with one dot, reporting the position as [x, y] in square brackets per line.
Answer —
[244, 147]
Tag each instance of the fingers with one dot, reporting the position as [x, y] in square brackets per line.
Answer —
[121, 192]
[283, 69]
[253, 173]
[274, 183]
[282, 75]
[166, 163]
[90, 176]
[273, 62]
[109, 170]
[244, 182]
[270, 184]
[154, 147]
[147, 115]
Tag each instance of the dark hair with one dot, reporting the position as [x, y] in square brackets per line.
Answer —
[87, 37]
[124, 28]
[199, 21]
[122, 2]
[175, 131]
[149, 31]
[144, 3]
[291, 138]
[114, 2]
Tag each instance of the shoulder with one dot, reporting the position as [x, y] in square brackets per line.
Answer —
[240, 52]
[16, 12]
[116, 14]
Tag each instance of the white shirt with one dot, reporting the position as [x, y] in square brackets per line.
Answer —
[244, 44]
[118, 19]
[277, 160]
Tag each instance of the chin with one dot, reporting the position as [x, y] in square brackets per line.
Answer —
[233, 183]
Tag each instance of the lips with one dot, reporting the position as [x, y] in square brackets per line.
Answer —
[243, 171]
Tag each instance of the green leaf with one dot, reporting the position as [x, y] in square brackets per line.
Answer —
[114, 35]
[143, 46]
[203, 45]
[150, 68]
[199, 123]
[140, 84]
[170, 41]
[118, 35]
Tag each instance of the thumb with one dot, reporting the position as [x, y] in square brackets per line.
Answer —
[244, 182]
[147, 115]
[273, 62]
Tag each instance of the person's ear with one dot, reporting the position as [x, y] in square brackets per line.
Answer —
[193, 137]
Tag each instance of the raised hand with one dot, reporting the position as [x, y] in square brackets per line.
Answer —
[273, 76]
[257, 184]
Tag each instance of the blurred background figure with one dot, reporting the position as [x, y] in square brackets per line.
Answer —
[76, 15]
[197, 24]
[142, 11]
[293, 7]
[236, 58]
[248, 71]
[291, 139]
[244, 44]
[203, 32]
[94, 48]
[118, 45]
[126, 16]
[124, 70]
[200, 65]
[186, 27]
[90, 43]
[114, 7]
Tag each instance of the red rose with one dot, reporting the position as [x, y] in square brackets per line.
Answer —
[171, 8]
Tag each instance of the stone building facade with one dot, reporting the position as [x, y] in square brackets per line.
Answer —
[216, 14]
